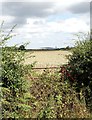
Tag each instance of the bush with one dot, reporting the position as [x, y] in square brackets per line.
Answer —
[13, 85]
[55, 99]
[81, 68]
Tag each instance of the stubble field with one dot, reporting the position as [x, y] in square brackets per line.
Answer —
[47, 58]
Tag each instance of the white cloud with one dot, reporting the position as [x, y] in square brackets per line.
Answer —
[7, 18]
[70, 25]
[42, 30]
[50, 32]
[73, 25]
[85, 17]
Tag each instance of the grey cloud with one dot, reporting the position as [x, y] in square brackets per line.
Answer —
[80, 8]
[23, 10]
[38, 22]
[91, 11]
[26, 9]
[91, 15]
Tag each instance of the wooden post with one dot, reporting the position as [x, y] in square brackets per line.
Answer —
[62, 71]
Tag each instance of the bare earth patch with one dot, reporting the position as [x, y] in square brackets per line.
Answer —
[47, 58]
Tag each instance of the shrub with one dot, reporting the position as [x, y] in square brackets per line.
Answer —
[14, 87]
[55, 99]
[81, 68]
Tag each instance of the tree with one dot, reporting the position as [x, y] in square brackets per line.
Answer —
[22, 47]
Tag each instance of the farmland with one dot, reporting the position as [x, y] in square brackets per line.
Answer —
[64, 93]
[47, 58]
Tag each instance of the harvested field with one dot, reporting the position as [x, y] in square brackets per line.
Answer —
[47, 58]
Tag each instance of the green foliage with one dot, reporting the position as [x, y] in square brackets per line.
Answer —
[14, 85]
[81, 68]
[47, 97]
[55, 99]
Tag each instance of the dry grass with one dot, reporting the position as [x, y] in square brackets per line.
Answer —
[47, 58]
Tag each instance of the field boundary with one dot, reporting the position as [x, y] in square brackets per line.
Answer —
[63, 71]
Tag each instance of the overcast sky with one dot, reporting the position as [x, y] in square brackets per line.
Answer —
[46, 23]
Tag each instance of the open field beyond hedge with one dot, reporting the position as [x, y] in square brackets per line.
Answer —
[47, 58]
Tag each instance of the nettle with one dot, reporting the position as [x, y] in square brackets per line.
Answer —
[14, 88]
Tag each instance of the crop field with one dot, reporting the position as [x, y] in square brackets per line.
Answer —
[47, 58]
